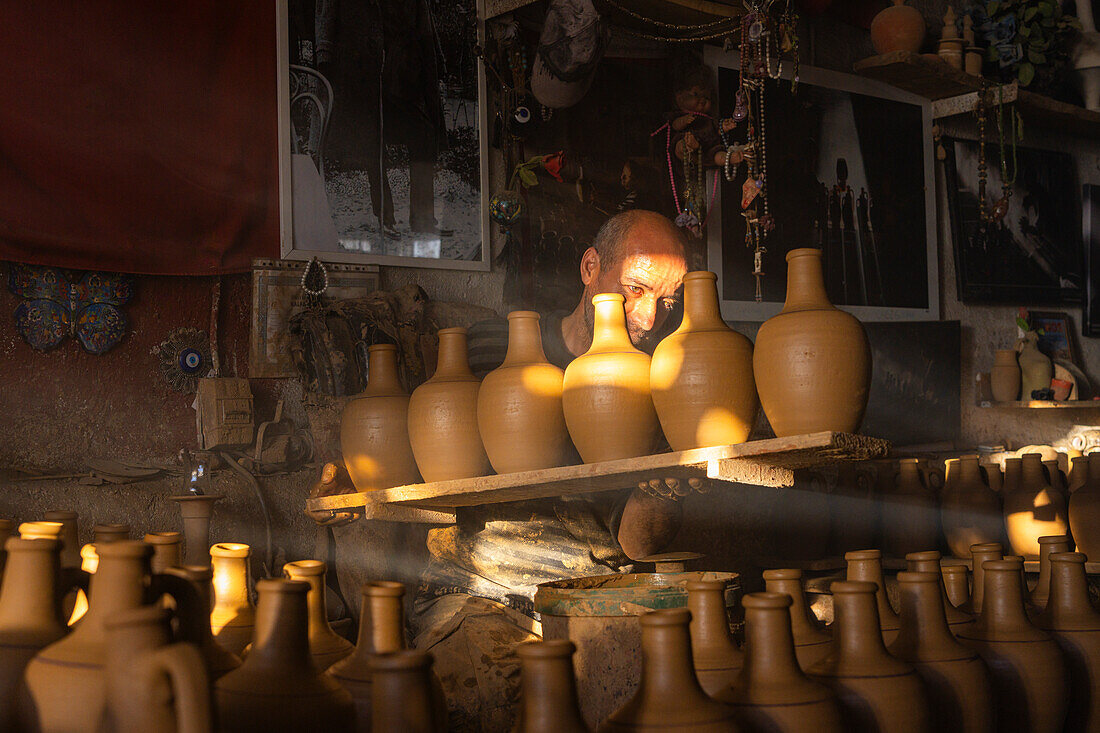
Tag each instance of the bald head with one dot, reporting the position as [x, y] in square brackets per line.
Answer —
[638, 229]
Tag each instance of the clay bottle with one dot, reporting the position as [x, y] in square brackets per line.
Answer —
[866, 565]
[812, 362]
[1029, 675]
[1084, 510]
[994, 478]
[153, 684]
[443, 416]
[278, 688]
[1032, 508]
[898, 27]
[196, 511]
[1075, 625]
[876, 691]
[69, 536]
[401, 694]
[1047, 546]
[955, 678]
[716, 657]
[701, 374]
[326, 646]
[166, 550]
[979, 554]
[970, 510]
[771, 693]
[233, 617]
[41, 530]
[1056, 478]
[1035, 368]
[519, 408]
[548, 696]
[374, 428]
[910, 522]
[929, 562]
[606, 395]
[1004, 378]
[956, 584]
[110, 532]
[669, 697]
[194, 621]
[811, 642]
[1078, 477]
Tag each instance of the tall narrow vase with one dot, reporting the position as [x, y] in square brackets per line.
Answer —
[548, 702]
[69, 536]
[980, 554]
[233, 616]
[196, 511]
[326, 646]
[866, 566]
[1037, 600]
[166, 550]
[929, 562]
[716, 657]
[811, 643]
[401, 693]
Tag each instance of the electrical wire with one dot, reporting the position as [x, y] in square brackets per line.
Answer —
[251, 480]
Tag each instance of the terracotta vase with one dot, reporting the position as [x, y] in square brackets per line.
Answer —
[812, 362]
[1029, 675]
[929, 562]
[1035, 367]
[1075, 625]
[979, 555]
[1056, 478]
[548, 692]
[898, 28]
[1084, 511]
[519, 405]
[969, 510]
[194, 621]
[110, 532]
[1032, 509]
[811, 642]
[669, 697]
[69, 536]
[605, 394]
[956, 584]
[1004, 378]
[401, 693]
[443, 416]
[1039, 595]
[771, 693]
[326, 646]
[910, 522]
[279, 687]
[876, 691]
[993, 476]
[1078, 476]
[716, 657]
[233, 617]
[701, 375]
[153, 684]
[955, 678]
[866, 566]
[196, 511]
[374, 428]
[166, 550]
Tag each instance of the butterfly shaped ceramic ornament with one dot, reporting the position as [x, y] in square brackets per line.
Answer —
[60, 303]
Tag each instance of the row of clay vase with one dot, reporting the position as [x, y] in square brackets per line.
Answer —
[1018, 372]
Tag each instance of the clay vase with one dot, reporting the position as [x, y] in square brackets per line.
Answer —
[1084, 511]
[994, 477]
[866, 566]
[910, 522]
[41, 530]
[955, 678]
[1075, 625]
[69, 536]
[30, 614]
[110, 532]
[153, 684]
[669, 697]
[326, 646]
[979, 555]
[716, 658]
[519, 405]
[1029, 675]
[233, 618]
[279, 688]
[443, 416]
[1078, 476]
[811, 642]
[548, 690]
[194, 620]
[1004, 378]
[876, 691]
[929, 562]
[812, 362]
[1032, 509]
[701, 375]
[771, 693]
[898, 28]
[956, 584]
[1047, 546]
[605, 395]
[1056, 478]
[401, 694]
[196, 512]
[374, 428]
[1035, 367]
[166, 550]
[969, 510]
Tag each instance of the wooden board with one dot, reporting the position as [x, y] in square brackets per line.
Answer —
[1046, 404]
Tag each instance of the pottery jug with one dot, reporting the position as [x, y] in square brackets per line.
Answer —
[771, 693]
[606, 397]
[166, 550]
[153, 684]
[196, 510]
[866, 565]
[548, 691]
[910, 522]
[1037, 599]
[443, 416]
[669, 697]
[955, 678]
[898, 28]
[194, 620]
[326, 646]
[701, 375]
[929, 562]
[69, 536]
[278, 688]
[374, 428]
[1077, 477]
[401, 693]
[110, 532]
[1035, 368]
[969, 510]
[812, 362]
[233, 617]
[956, 584]
[877, 692]
[1032, 508]
[1075, 625]
[519, 405]
[1056, 478]
[979, 554]
[1084, 511]
[716, 658]
[993, 476]
[811, 642]
[1004, 378]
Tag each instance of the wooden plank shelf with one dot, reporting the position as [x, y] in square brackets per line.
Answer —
[1045, 404]
[769, 462]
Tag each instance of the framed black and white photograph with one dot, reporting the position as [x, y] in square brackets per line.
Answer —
[1090, 231]
[382, 145]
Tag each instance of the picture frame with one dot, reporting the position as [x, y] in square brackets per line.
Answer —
[1056, 339]
[1090, 234]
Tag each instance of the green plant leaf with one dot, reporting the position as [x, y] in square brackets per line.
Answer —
[528, 177]
[1036, 58]
[1022, 324]
[534, 160]
[1026, 73]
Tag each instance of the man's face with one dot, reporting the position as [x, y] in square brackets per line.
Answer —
[694, 99]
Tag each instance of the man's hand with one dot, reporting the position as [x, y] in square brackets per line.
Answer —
[334, 481]
[673, 488]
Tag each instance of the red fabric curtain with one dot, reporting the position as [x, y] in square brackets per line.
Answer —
[139, 136]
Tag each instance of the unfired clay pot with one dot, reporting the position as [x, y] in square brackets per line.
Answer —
[443, 416]
[1056, 478]
[1035, 367]
[1084, 511]
[811, 642]
[979, 555]
[1037, 600]
[41, 530]
[196, 511]
[716, 657]
[956, 584]
[401, 693]
[1032, 508]
[194, 621]
[1077, 477]
[166, 550]
[1004, 378]
[866, 566]
[910, 522]
[110, 532]
[69, 536]
[233, 616]
[812, 362]
[374, 428]
[701, 375]
[548, 701]
[969, 510]
[326, 646]
[606, 394]
[898, 28]
[519, 405]
[929, 562]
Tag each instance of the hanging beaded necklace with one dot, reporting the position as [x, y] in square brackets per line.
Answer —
[997, 213]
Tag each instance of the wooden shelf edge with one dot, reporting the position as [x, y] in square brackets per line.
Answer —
[1044, 404]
